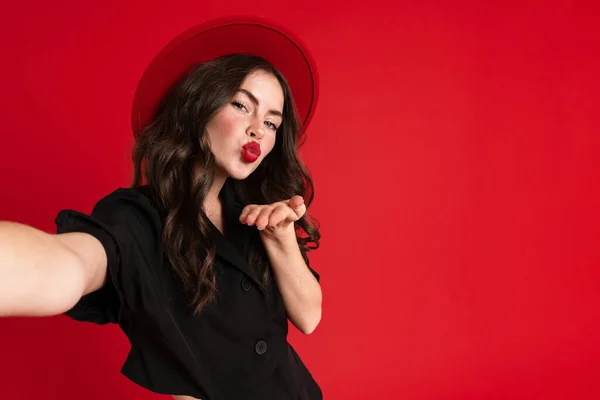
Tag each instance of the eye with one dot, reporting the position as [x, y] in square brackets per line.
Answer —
[271, 125]
[239, 106]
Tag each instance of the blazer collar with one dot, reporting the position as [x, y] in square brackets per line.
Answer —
[234, 245]
[240, 237]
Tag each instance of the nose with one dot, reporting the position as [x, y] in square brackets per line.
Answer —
[255, 130]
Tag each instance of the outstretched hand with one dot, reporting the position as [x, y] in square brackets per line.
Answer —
[273, 217]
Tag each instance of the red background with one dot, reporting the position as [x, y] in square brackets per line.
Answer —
[454, 150]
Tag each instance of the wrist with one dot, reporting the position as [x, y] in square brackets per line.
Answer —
[282, 235]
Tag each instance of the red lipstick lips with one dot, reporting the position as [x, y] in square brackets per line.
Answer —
[251, 151]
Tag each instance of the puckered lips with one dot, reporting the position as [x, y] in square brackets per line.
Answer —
[251, 151]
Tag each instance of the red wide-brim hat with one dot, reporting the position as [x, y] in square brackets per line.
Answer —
[220, 37]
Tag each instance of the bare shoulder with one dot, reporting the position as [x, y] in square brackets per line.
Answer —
[185, 398]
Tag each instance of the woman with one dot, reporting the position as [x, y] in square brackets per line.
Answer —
[203, 264]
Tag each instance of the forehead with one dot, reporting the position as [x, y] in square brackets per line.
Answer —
[265, 87]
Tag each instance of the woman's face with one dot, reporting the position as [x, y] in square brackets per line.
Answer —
[246, 126]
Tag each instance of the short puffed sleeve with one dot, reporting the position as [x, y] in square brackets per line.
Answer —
[129, 228]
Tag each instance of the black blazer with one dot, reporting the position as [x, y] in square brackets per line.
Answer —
[235, 349]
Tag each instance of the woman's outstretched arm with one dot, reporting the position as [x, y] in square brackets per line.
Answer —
[45, 274]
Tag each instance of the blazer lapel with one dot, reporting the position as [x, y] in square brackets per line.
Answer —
[232, 247]
[239, 236]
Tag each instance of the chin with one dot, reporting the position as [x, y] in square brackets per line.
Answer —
[239, 176]
[240, 173]
[237, 169]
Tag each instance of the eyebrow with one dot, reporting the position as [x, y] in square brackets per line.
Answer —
[256, 102]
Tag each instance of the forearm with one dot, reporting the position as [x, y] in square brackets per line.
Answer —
[38, 276]
[299, 288]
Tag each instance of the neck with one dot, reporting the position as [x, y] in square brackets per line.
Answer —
[213, 194]
[212, 204]
[212, 197]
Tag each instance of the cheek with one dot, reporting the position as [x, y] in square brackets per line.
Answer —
[224, 125]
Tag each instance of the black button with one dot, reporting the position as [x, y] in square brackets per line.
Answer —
[261, 347]
[246, 284]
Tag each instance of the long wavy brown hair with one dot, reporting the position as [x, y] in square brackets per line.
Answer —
[168, 150]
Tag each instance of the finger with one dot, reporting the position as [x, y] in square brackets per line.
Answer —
[262, 220]
[296, 203]
[246, 211]
[280, 214]
[253, 214]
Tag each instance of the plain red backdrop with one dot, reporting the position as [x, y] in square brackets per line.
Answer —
[454, 151]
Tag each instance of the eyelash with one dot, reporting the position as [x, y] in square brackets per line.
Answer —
[241, 106]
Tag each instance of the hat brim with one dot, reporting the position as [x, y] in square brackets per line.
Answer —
[220, 37]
